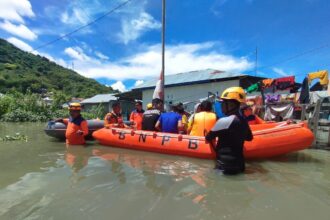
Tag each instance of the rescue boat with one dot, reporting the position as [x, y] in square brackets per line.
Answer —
[269, 140]
[57, 129]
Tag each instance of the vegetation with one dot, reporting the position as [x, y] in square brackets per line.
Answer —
[30, 107]
[26, 72]
[16, 137]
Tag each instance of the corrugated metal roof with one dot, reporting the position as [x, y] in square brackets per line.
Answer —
[101, 98]
[199, 76]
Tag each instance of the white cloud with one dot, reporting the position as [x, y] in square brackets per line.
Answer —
[101, 55]
[147, 63]
[19, 30]
[77, 54]
[138, 82]
[119, 85]
[282, 72]
[132, 29]
[15, 10]
[74, 17]
[20, 44]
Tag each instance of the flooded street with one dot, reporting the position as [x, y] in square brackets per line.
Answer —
[42, 179]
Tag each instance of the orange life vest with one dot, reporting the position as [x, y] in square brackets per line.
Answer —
[202, 123]
[74, 125]
[111, 118]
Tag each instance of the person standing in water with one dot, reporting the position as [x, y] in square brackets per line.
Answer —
[232, 131]
[77, 127]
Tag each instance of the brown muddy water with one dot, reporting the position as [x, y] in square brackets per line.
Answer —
[42, 179]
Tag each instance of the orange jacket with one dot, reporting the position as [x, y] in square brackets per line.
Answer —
[137, 117]
[73, 126]
[111, 118]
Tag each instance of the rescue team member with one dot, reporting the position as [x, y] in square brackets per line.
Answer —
[151, 116]
[137, 115]
[77, 127]
[231, 131]
[114, 118]
[149, 106]
[170, 122]
[251, 118]
[204, 120]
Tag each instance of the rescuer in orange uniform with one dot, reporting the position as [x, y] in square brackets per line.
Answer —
[77, 127]
[114, 118]
[137, 116]
[251, 118]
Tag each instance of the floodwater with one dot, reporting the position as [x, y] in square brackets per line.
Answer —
[42, 179]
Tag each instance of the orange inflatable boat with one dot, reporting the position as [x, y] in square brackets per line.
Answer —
[269, 140]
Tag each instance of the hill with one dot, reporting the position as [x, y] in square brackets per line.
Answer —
[25, 71]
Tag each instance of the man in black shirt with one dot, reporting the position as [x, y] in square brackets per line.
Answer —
[150, 117]
[231, 131]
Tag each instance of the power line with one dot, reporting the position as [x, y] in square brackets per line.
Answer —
[294, 57]
[82, 27]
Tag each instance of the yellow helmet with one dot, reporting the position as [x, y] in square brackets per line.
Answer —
[75, 106]
[149, 106]
[234, 93]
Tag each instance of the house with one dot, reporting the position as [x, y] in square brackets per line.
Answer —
[191, 87]
[105, 101]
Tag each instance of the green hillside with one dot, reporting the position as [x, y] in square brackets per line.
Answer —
[25, 71]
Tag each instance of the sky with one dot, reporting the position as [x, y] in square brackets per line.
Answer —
[123, 49]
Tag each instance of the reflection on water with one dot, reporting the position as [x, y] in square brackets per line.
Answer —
[42, 179]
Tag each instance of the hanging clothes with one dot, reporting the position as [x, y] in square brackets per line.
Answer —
[272, 98]
[268, 86]
[322, 75]
[253, 88]
[285, 83]
[304, 94]
[278, 112]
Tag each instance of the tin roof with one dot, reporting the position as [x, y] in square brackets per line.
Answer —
[101, 98]
[193, 77]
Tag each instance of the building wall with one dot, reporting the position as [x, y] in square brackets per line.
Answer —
[189, 93]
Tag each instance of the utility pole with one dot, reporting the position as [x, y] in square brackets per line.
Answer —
[256, 62]
[163, 49]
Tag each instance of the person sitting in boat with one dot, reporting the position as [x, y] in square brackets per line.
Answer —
[77, 127]
[232, 131]
[137, 115]
[249, 116]
[204, 120]
[184, 115]
[170, 122]
[114, 118]
[151, 116]
[197, 109]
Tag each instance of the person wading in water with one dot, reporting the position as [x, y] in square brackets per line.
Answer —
[231, 132]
